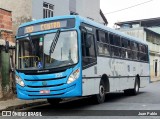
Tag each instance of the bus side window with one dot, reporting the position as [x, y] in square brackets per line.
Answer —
[129, 51]
[146, 51]
[143, 52]
[124, 48]
[102, 41]
[115, 45]
[134, 47]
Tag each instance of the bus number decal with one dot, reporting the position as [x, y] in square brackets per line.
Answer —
[29, 29]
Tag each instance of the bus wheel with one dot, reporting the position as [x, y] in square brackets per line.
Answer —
[135, 90]
[100, 98]
[54, 101]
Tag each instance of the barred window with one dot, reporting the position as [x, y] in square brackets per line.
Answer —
[47, 10]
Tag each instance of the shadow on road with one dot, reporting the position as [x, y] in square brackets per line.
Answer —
[111, 97]
[83, 103]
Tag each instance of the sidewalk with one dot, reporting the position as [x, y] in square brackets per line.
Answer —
[19, 104]
[155, 80]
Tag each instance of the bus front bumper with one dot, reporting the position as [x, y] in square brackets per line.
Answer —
[63, 91]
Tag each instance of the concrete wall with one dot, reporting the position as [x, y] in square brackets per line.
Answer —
[21, 11]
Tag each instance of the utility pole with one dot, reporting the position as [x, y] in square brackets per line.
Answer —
[5, 83]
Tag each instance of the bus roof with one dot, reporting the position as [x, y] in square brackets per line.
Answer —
[87, 21]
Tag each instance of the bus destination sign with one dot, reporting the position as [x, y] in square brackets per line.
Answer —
[50, 25]
[44, 26]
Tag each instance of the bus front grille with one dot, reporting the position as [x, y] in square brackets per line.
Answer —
[45, 86]
[49, 79]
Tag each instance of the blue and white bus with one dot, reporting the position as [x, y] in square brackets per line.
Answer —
[71, 56]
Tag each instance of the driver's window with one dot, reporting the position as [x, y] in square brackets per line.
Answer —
[88, 49]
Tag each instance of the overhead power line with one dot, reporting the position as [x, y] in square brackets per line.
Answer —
[128, 7]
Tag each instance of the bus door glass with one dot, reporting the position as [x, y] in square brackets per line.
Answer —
[88, 49]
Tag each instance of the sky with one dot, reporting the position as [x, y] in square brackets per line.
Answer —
[150, 9]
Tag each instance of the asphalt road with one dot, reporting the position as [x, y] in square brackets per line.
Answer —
[147, 100]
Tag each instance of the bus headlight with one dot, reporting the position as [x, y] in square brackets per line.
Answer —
[74, 76]
[19, 81]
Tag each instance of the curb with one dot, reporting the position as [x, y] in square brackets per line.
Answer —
[22, 106]
[154, 81]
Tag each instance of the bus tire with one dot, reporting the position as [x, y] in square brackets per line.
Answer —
[100, 98]
[135, 90]
[53, 101]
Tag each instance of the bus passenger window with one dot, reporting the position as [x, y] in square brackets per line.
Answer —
[135, 55]
[124, 43]
[129, 53]
[124, 48]
[111, 38]
[124, 52]
[117, 40]
[115, 45]
[103, 46]
[143, 53]
[134, 46]
[101, 37]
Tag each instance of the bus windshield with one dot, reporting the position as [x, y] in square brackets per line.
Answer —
[34, 53]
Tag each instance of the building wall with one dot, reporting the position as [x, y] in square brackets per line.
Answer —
[6, 25]
[139, 32]
[89, 8]
[155, 29]
[5, 35]
[154, 58]
[21, 11]
[63, 7]
[154, 49]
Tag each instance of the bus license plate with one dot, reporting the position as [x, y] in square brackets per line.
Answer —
[44, 91]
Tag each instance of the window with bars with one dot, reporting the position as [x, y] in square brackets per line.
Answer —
[48, 10]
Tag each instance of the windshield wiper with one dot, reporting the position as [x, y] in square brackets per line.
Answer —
[54, 42]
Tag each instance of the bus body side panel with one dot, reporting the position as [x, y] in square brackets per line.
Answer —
[121, 74]
[90, 86]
